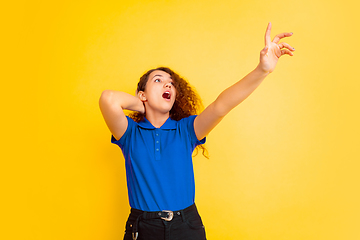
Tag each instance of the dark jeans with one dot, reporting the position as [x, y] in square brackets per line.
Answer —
[185, 225]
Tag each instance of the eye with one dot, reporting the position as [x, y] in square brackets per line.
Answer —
[172, 83]
[157, 80]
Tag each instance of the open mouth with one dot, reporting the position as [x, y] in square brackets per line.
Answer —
[166, 95]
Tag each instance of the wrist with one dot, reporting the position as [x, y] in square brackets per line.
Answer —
[259, 70]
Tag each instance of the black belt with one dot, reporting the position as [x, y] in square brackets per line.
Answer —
[165, 215]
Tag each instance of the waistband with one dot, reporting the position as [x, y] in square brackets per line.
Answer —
[165, 215]
[185, 210]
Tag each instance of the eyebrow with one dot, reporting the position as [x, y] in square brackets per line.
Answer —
[158, 75]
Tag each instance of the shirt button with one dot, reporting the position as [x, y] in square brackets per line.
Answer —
[157, 141]
[157, 134]
[157, 149]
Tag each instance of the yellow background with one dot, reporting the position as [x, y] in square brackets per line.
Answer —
[283, 165]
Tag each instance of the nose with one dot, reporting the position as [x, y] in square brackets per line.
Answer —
[168, 85]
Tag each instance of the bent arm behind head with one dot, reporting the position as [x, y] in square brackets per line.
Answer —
[112, 105]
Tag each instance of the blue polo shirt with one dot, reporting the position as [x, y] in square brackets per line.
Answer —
[158, 163]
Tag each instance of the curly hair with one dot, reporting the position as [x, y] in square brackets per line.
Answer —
[187, 101]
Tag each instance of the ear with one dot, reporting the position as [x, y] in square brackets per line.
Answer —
[141, 95]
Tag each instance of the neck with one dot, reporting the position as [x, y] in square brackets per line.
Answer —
[157, 119]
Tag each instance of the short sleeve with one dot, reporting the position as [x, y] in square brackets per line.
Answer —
[189, 121]
[124, 138]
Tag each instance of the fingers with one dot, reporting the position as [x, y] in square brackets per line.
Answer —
[286, 51]
[285, 45]
[281, 35]
[267, 34]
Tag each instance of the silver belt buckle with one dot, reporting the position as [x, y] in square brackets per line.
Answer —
[170, 215]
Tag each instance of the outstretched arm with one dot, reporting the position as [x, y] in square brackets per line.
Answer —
[238, 92]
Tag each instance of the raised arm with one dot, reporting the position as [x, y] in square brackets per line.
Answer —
[112, 103]
[234, 95]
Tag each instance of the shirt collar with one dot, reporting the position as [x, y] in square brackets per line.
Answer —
[169, 124]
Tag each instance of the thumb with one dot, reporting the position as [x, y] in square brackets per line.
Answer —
[265, 50]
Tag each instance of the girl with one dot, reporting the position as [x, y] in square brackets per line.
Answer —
[158, 139]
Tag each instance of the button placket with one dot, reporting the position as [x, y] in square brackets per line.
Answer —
[157, 145]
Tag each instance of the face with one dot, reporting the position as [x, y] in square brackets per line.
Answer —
[160, 93]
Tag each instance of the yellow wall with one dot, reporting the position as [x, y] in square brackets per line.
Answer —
[283, 165]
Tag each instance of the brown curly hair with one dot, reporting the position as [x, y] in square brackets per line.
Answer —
[187, 101]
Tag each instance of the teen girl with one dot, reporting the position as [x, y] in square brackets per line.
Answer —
[158, 139]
